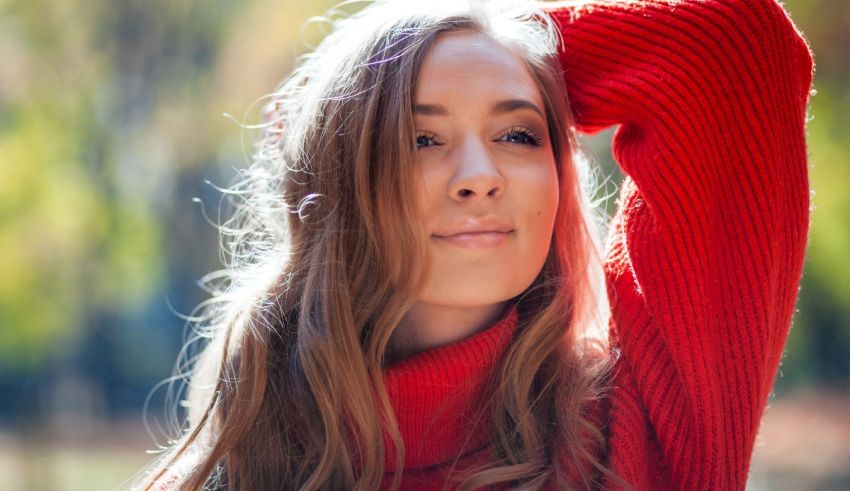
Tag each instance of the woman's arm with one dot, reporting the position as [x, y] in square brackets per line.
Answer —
[706, 251]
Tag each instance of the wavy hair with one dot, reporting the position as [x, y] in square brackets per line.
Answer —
[326, 256]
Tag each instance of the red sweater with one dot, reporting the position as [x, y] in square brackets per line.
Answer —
[705, 253]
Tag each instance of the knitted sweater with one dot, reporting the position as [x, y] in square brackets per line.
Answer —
[704, 255]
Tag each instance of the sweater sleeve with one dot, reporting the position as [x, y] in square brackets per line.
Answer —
[705, 253]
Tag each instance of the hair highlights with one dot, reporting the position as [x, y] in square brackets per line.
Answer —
[327, 256]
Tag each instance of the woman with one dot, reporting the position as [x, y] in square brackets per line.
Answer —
[416, 281]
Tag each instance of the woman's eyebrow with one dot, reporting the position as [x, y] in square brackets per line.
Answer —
[501, 107]
[511, 105]
[430, 110]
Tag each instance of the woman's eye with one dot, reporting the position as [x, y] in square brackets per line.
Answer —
[423, 141]
[514, 136]
[521, 136]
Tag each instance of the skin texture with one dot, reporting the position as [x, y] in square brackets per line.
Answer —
[475, 162]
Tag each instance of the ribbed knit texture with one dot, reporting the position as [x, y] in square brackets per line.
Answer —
[705, 253]
[434, 395]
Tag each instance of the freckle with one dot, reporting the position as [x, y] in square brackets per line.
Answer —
[538, 212]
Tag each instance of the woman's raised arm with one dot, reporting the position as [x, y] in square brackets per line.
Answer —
[706, 251]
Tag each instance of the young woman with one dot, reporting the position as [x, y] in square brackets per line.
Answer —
[416, 279]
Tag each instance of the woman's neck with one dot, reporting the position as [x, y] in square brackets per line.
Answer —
[427, 326]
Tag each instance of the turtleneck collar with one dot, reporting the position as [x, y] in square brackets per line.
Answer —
[434, 394]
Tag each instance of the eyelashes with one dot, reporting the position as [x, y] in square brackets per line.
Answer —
[531, 137]
[422, 139]
[516, 135]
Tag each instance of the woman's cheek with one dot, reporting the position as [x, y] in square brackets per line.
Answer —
[541, 191]
[546, 201]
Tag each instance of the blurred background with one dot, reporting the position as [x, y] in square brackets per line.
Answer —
[112, 142]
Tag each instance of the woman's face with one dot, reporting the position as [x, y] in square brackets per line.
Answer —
[489, 183]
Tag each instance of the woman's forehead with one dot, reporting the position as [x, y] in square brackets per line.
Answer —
[465, 63]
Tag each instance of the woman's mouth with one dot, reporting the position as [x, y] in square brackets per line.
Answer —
[476, 240]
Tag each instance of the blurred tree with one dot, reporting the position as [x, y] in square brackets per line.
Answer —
[68, 245]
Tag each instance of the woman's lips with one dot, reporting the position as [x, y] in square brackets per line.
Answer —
[476, 240]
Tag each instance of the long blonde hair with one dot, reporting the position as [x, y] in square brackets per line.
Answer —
[326, 257]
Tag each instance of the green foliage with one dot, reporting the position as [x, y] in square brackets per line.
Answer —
[66, 246]
[830, 174]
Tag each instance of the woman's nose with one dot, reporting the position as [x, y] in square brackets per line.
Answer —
[477, 174]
